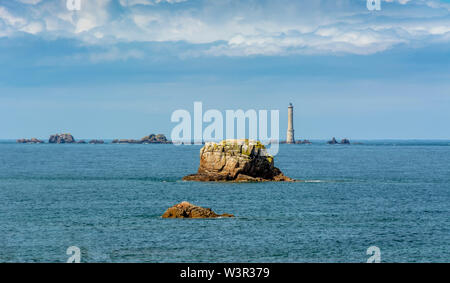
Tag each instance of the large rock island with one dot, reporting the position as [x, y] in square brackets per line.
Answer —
[236, 161]
[188, 210]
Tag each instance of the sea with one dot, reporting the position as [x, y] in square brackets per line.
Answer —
[107, 201]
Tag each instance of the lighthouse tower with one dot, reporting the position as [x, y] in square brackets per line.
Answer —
[290, 130]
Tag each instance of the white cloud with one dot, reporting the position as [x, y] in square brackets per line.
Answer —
[403, 2]
[33, 28]
[128, 3]
[11, 20]
[240, 28]
[85, 24]
[32, 2]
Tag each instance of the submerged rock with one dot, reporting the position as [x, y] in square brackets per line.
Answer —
[188, 210]
[236, 161]
[61, 138]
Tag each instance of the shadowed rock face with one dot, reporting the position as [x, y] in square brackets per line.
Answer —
[237, 161]
[188, 210]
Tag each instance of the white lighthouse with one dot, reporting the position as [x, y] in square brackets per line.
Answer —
[290, 130]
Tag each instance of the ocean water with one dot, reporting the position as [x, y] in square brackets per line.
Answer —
[107, 200]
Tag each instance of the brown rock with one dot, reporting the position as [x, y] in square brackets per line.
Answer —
[188, 210]
[236, 161]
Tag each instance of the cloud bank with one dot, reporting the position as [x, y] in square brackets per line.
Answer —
[236, 28]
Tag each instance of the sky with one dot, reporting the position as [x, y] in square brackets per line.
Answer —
[120, 68]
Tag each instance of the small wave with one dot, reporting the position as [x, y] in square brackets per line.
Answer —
[325, 181]
[315, 181]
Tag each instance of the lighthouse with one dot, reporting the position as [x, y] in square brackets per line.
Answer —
[290, 130]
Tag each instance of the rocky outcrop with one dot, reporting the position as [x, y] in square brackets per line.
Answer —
[236, 161]
[333, 141]
[125, 141]
[154, 139]
[33, 140]
[161, 139]
[188, 210]
[96, 142]
[61, 138]
[303, 142]
[343, 141]
[81, 142]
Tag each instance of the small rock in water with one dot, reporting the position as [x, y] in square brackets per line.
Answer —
[188, 210]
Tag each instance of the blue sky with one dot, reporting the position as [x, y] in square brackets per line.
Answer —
[118, 69]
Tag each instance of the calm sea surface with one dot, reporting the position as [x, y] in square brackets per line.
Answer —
[108, 199]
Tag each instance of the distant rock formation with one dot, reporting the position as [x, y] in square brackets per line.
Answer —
[121, 141]
[154, 139]
[61, 138]
[96, 142]
[161, 139]
[188, 210]
[81, 142]
[33, 140]
[236, 161]
[303, 142]
[333, 141]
